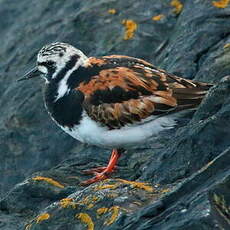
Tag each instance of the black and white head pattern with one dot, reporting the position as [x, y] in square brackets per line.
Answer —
[58, 61]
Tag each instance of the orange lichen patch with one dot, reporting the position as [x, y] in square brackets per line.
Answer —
[68, 202]
[130, 28]
[221, 3]
[178, 6]
[106, 186]
[48, 180]
[112, 11]
[86, 219]
[165, 190]
[42, 217]
[115, 213]
[114, 210]
[226, 46]
[95, 198]
[140, 185]
[158, 17]
[102, 210]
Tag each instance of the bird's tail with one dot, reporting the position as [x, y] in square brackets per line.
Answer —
[189, 94]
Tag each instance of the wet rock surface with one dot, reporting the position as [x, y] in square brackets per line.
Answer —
[180, 180]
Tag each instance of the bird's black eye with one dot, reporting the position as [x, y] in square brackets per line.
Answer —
[49, 64]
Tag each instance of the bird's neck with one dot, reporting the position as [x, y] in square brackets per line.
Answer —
[62, 98]
[69, 78]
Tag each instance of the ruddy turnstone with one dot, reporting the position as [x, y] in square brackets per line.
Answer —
[111, 101]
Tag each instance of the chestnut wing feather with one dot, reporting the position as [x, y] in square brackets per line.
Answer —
[127, 90]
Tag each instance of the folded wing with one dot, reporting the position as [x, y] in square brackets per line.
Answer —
[126, 90]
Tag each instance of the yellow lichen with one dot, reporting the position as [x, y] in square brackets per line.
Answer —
[219, 200]
[90, 206]
[221, 3]
[141, 185]
[216, 199]
[137, 203]
[106, 186]
[48, 180]
[130, 28]
[226, 46]
[101, 211]
[178, 6]
[115, 213]
[88, 201]
[28, 226]
[86, 219]
[112, 195]
[94, 198]
[221, 205]
[112, 11]
[42, 217]
[68, 202]
[165, 190]
[158, 17]
[114, 210]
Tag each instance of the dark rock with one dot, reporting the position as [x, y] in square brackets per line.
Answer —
[220, 202]
[187, 168]
[197, 143]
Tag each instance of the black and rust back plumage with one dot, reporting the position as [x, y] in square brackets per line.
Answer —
[113, 90]
[123, 90]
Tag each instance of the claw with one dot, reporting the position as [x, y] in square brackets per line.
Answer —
[101, 173]
[96, 170]
[98, 177]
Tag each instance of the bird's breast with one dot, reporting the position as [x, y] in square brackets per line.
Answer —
[67, 110]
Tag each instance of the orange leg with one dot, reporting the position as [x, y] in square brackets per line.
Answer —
[103, 172]
[100, 169]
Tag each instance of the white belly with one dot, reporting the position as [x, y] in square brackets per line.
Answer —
[89, 131]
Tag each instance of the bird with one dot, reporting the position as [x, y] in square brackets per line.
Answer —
[114, 101]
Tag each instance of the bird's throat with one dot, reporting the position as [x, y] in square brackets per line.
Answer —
[66, 110]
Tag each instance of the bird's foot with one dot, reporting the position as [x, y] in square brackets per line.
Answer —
[101, 173]
[97, 170]
[99, 177]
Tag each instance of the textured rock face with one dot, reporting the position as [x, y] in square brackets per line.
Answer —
[187, 168]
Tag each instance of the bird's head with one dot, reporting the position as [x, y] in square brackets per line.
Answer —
[55, 60]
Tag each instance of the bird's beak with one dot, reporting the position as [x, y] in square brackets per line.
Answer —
[31, 74]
